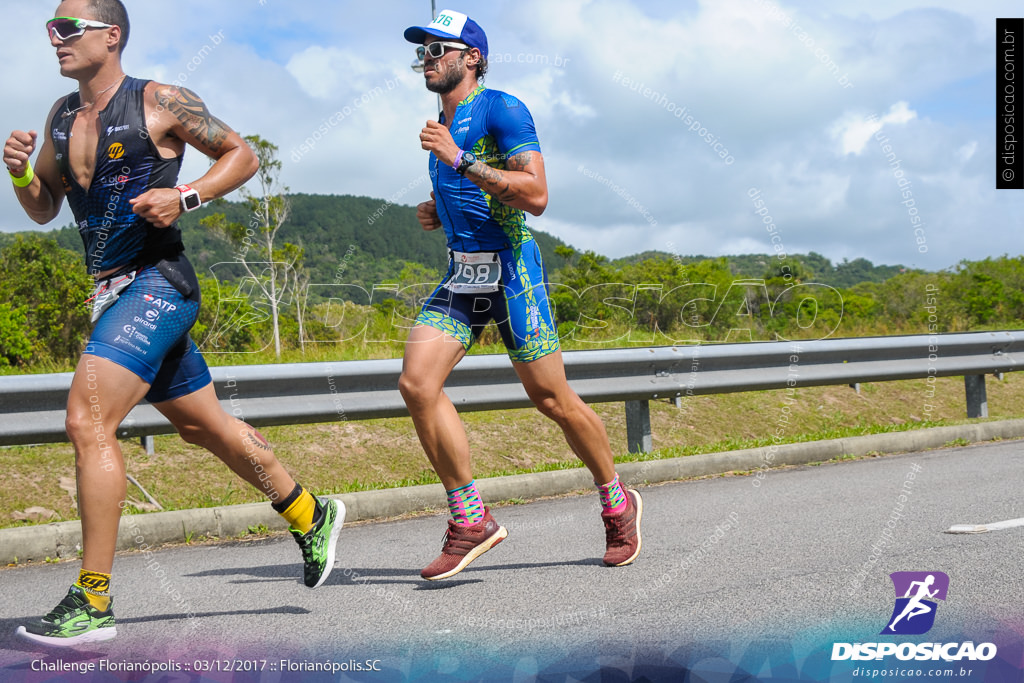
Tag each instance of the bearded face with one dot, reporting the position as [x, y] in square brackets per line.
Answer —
[444, 75]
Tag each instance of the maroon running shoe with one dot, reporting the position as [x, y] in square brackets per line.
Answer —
[463, 544]
[622, 531]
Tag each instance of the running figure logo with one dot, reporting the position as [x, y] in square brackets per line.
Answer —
[914, 612]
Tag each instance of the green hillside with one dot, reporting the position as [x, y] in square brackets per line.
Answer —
[814, 266]
[380, 238]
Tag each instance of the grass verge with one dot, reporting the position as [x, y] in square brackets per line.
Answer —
[343, 457]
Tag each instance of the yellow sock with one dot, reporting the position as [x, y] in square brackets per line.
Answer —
[96, 587]
[301, 512]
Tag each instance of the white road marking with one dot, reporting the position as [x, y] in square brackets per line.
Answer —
[984, 528]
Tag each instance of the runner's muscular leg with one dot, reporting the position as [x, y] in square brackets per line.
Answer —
[200, 420]
[102, 394]
[546, 385]
[430, 355]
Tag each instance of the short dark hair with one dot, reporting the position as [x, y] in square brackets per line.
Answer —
[112, 12]
[481, 66]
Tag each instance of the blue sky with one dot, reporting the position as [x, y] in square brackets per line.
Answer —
[785, 87]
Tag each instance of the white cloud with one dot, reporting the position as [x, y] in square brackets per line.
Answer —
[965, 153]
[324, 71]
[854, 130]
[768, 93]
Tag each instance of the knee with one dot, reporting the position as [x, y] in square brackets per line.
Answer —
[76, 423]
[206, 431]
[194, 434]
[415, 391]
[81, 423]
[93, 439]
[550, 406]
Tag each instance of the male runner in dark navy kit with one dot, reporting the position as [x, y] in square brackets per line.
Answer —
[487, 171]
[114, 149]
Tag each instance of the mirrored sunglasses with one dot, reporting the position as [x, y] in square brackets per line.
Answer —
[69, 27]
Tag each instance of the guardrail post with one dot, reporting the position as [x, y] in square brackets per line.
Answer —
[977, 399]
[638, 426]
[148, 444]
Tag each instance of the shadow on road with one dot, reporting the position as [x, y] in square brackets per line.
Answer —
[263, 611]
[9, 641]
[351, 576]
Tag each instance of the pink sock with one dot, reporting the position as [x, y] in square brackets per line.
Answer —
[465, 504]
[613, 498]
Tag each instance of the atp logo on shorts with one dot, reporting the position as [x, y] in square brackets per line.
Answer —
[916, 592]
[115, 151]
[157, 302]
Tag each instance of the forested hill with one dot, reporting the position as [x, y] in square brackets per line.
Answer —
[376, 240]
[813, 266]
[379, 238]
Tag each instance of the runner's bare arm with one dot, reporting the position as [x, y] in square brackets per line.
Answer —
[521, 185]
[41, 199]
[179, 114]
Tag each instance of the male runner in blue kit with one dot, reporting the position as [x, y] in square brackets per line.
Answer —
[114, 149]
[487, 171]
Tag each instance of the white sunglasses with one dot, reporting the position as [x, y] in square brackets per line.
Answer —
[436, 49]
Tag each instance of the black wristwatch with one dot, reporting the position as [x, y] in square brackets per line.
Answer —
[468, 159]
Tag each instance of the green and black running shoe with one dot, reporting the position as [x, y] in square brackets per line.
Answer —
[319, 544]
[73, 622]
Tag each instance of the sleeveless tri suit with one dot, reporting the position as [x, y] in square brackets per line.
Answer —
[146, 328]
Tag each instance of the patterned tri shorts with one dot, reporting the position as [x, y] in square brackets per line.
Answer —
[520, 307]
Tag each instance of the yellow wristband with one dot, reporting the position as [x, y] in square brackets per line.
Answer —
[25, 180]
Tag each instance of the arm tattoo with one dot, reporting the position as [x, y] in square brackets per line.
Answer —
[519, 162]
[497, 178]
[487, 173]
[494, 177]
[191, 111]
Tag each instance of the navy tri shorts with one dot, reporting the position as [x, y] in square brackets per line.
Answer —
[520, 308]
[146, 331]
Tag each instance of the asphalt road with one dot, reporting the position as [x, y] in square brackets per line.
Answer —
[737, 573]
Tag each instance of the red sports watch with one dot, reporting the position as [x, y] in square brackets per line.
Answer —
[190, 200]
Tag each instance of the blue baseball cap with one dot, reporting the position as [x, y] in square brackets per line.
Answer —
[452, 25]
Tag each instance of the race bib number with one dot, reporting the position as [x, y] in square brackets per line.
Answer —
[478, 273]
[106, 292]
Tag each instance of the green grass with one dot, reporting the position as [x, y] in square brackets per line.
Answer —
[343, 457]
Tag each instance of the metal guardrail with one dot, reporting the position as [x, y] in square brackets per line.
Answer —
[32, 406]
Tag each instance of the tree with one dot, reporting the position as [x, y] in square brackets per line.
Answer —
[46, 286]
[301, 287]
[16, 337]
[270, 265]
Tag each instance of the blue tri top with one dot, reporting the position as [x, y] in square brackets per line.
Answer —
[127, 165]
[494, 126]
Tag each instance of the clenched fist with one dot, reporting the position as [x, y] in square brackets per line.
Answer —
[18, 150]
[160, 206]
[426, 214]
